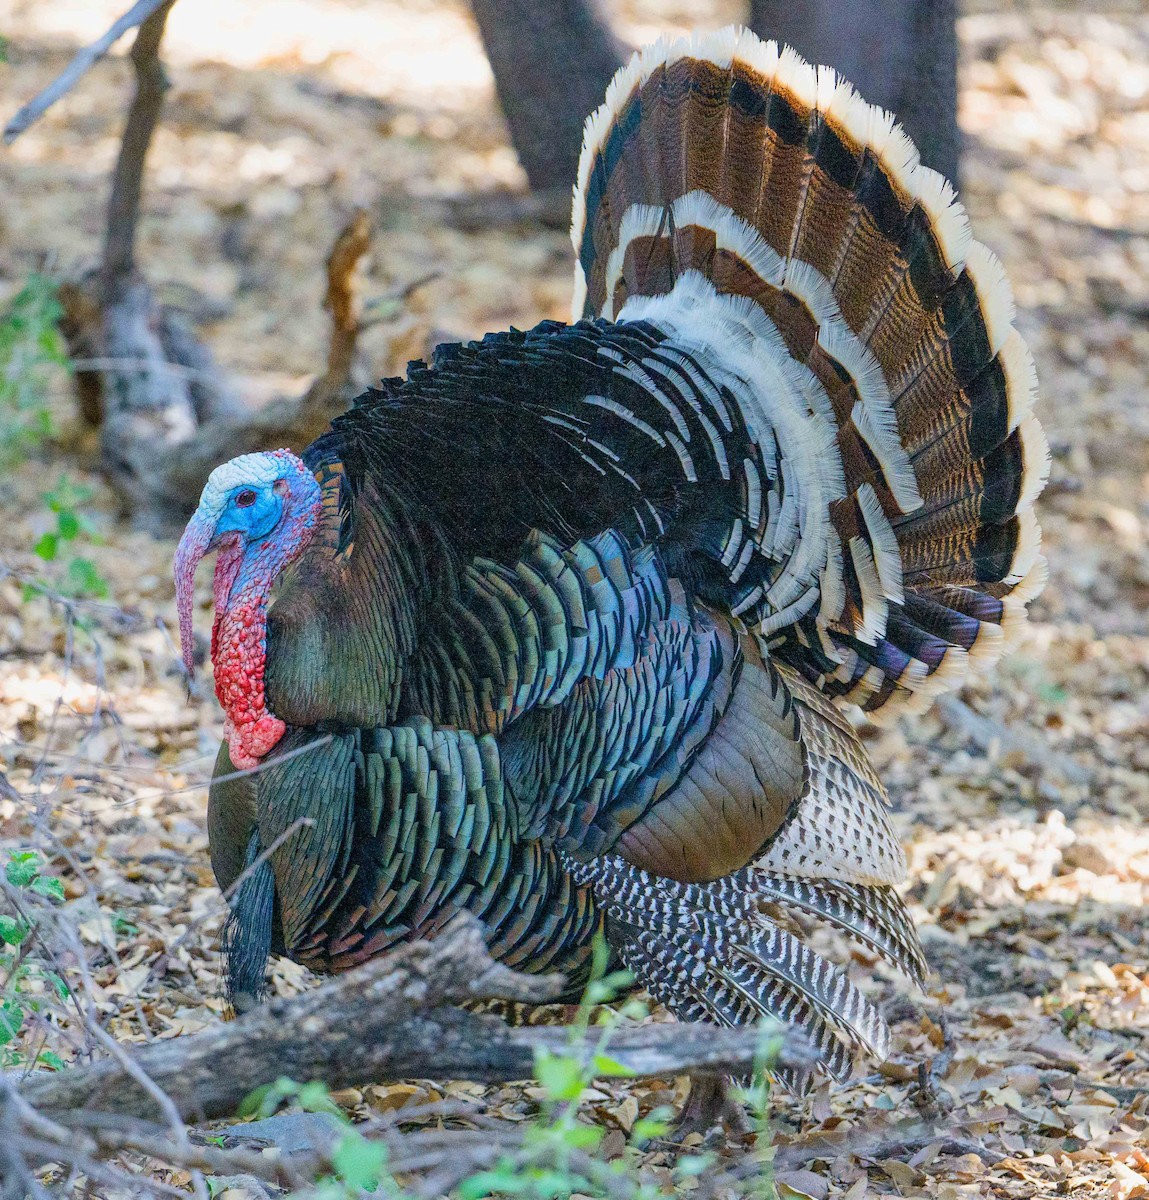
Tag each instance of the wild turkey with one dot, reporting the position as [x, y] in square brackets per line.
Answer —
[570, 612]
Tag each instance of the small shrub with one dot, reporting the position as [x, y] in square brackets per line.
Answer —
[31, 349]
[26, 983]
[79, 576]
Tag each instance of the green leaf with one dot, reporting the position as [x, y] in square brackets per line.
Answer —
[84, 579]
[275, 1094]
[503, 1179]
[583, 1137]
[46, 885]
[690, 1166]
[12, 1014]
[124, 928]
[23, 867]
[551, 1184]
[358, 1162]
[13, 931]
[605, 1065]
[597, 993]
[67, 525]
[47, 547]
[560, 1075]
[646, 1128]
[252, 1104]
[51, 1059]
[314, 1097]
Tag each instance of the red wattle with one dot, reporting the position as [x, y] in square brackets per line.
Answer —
[239, 651]
[227, 565]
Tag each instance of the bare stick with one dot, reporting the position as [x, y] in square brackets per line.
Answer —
[79, 66]
[389, 1019]
[993, 738]
[330, 393]
[127, 181]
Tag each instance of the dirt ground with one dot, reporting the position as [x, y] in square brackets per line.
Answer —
[1027, 830]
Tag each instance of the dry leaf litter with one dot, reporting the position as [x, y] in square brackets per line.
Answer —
[1024, 1071]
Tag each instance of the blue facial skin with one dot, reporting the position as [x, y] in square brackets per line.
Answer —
[255, 520]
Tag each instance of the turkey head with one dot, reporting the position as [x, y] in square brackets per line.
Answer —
[259, 511]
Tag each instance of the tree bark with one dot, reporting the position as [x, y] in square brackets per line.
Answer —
[901, 54]
[552, 61]
[389, 1019]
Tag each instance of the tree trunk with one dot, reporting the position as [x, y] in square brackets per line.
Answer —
[552, 60]
[901, 54]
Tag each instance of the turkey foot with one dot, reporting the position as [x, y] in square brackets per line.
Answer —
[708, 1105]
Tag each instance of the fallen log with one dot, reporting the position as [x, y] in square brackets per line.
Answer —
[392, 1018]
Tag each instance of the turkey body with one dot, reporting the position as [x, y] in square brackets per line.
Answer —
[567, 643]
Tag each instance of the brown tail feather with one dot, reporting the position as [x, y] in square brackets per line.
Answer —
[771, 179]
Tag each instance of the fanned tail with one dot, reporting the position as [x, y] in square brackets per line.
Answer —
[757, 209]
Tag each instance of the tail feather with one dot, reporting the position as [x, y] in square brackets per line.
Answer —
[875, 916]
[769, 952]
[684, 971]
[722, 172]
[710, 951]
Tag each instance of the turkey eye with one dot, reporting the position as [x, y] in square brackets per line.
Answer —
[245, 499]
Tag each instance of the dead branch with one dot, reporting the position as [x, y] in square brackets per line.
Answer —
[993, 738]
[168, 413]
[329, 394]
[83, 61]
[389, 1019]
[128, 177]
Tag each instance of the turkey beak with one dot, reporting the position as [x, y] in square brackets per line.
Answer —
[195, 543]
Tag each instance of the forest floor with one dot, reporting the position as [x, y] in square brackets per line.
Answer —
[1027, 831]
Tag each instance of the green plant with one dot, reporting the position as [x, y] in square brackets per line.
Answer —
[31, 348]
[756, 1097]
[25, 983]
[557, 1156]
[80, 577]
[558, 1152]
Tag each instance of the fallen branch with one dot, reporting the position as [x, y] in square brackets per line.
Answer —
[83, 61]
[389, 1019]
[989, 736]
[128, 177]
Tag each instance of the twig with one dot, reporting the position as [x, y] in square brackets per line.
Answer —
[988, 735]
[208, 378]
[329, 393]
[83, 61]
[127, 180]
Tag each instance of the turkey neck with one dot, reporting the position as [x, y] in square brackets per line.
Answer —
[348, 615]
[238, 650]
